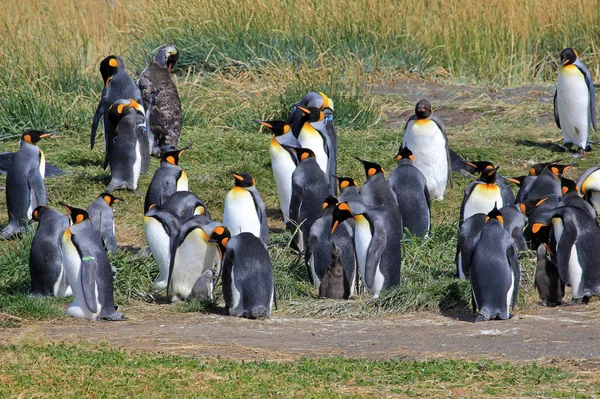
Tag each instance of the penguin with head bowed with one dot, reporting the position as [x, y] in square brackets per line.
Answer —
[495, 273]
[376, 191]
[283, 161]
[25, 188]
[410, 187]
[531, 208]
[548, 182]
[515, 222]
[88, 270]
[248, 282]
[117, 85]
[191, 255]
[185, 205]
[588, 185]
[482, 195]
[102, 218]
[45, 257]
[348, 189]
[168, 178]
[377, 239]
[574, 101]
[318, 250]
[577, 238]
[244, 208]
[204, 286]
[309, 190]
[333, 282]
[128, 157]
[161, 101]
[572, 197]
[161, 227]
[524, 182]
[425, 135]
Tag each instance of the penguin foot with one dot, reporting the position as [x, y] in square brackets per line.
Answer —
[116, 316]
[480, 317]
[580, 153]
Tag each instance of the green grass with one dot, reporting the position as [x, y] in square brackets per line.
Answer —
[100, 371]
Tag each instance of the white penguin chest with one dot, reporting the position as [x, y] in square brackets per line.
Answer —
[573, 105]
[283, 167]
[158, 241]
[310, 138]
[362, 240]
[482, 200]
[137, 165]
[182, 183]
[240, 213]
[192, 258]
[71, 263]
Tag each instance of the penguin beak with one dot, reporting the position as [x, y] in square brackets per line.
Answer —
[565, 62]
[263, 123]
[510, 179]
[43, 136]
[305, 110]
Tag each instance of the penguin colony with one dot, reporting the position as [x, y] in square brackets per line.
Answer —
[350, 237]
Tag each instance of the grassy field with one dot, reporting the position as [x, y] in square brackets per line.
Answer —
[253, 60]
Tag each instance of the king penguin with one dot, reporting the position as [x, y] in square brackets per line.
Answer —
[103, 219]
[547, 183]
[283, 161]
[574, 101]
[88, 270]
[425, 135]
[588, 185]
[245, 209]
[495, 273]
[248, 281]
[161, 101]
[45, 257]
[185, 205]
[376, 191]
[25, 188]
[348, 190]
[482, 195]
[161, 227]
[168, 178]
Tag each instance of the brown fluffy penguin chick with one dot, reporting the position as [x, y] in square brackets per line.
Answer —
[547, 281]
[332, 285]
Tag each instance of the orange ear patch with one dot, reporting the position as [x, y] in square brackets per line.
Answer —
[224, 241]
[170, 159]
[113, 63]
[344, 207]
[564, 190]
[371, 172]
[344, 184]
[79, 218]
[536, 227]
[27, 138]
[286, 128]
[522, 207]
[304, 156]
[107, 199]
[120, 108]
[219, 230]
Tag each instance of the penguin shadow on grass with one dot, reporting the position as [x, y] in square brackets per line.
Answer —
[455, 307]
[274, 214]
[545, 145]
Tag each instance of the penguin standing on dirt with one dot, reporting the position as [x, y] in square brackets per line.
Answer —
[410, 187]
[103, 219]
[425, 135]
[117, 85]
[248, 282]
[547, 280]
[574, 101]
[495, 273]
[245, 209]
[161, 227]
[25, 188]
[482, 195]
[309, 190]
[377, 239]
[168, 178]
[161, 101]
[45, 257]
[129, 156]
[185, 205]
[333, 282]
[204, 286]
[88, 270]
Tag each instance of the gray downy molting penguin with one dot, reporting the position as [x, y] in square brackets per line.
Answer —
[283, 161]
[318, 249]
[186, 205]
[482, 195]
[577, 238]
[468, 233]
[191, 255]
[88, 270]
[161, 101]
[548, 182]
[25, 188]
[547, 280]
[45, 257]
[168, 178]
[161, 227]
[410, 187]
[203, 287]
[244, 209]
[247, 274]
[377, 239]
[425, 135]
[102, 218]
[129, 156]
[376, 191]
[495, 273]
[333, 282]
[574, 101]
[117, 85]
[348, 188]
[309, 190]
[588, 185]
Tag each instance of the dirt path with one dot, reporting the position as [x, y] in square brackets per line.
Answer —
[541, 335]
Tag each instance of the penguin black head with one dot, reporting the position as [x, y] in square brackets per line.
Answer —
[423, 109]
[568, 56]
[77, 215]
[486, 172]
[167, 56]
[110, 199]
[568, 186]
[303, 153]
[345, 182]
[341, 212]
[538, 168]
[371, 168]
[172, 157]
[312, 114]
[220, 236]
[330, 202]
[121, 108]
[109, 67]
[243, 179]
[316, 99]
[278, 127]
[35, 215]
[34, 136]
[404, 153]
[530, 205]
[495, 214]
[558, 170]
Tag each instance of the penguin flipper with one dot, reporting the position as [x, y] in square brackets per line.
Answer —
[590, 85]
[565, 246]
[97, 116]
[376, 247]
[36, 183]
[442, 128]
[511, 254]
[556, 116]
[88, 282]
[308, 253]
[466, 196]
[262, 217]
